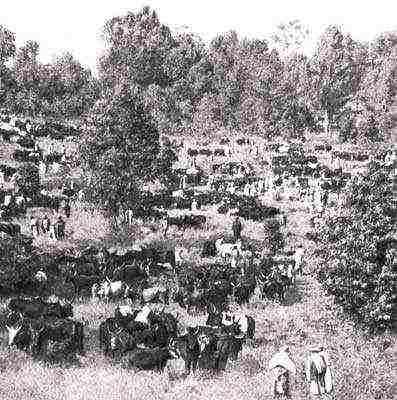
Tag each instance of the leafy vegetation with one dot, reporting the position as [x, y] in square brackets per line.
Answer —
[357, 251]
[233, 83]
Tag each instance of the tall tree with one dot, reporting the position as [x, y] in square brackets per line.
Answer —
[7, 50]
[137, 49]
[121, 148]
[335, 72]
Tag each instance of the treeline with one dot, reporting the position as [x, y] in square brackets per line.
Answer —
[233, 83]
[62, 89]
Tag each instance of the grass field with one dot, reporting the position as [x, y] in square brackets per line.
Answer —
[362, 365]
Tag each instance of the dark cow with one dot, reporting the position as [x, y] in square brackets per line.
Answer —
[106, 329]
[184, 221]
[125, 313]
[130, 273]
[10, 229]
[187, 348]
[7, 170]
[26, 141]
[120, 334]
[194, 298]
[150, 359]
[25, 156]
[36, 334]
[37, 307]
[209, 249]
[19, 124]
[21, 332]
[215, 348]
[82, 283]
[243, 290]
[66, 331]
[52, 157]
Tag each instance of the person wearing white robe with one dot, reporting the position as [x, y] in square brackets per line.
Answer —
[280, 368]
[298, 258]
[318, 373]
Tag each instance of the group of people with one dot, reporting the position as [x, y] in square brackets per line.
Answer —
[54, 227]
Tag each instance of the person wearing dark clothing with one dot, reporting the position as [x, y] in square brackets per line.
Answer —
[60, 234]
[237, 228]
[66, 209]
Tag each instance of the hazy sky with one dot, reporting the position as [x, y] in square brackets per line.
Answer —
[75, 25]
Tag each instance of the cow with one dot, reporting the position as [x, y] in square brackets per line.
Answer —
[150, 359]
[106, 329]
[121, 340]
[109, 289]
[156, 294]
[209, 249]
[10, 229]
[120, 334]
[82, 282]
[215, 348]
[37, 307]
[65, 331]
[184, 221]
[243, 290]
[125, 312]
[20, 332]
[227, 249]
[187, 348]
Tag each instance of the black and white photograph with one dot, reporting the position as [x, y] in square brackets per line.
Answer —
[198, 200]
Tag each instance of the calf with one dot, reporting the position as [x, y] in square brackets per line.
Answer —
[150, 359]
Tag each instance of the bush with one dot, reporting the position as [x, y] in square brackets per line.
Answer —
[16, 266]
[28, 179]
[356, 248]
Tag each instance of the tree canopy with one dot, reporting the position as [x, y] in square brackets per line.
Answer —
[121, 148]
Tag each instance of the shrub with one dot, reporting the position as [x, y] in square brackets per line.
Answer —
[28, 179]
[356, 248]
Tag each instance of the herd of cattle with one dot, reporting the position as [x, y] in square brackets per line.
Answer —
[229, 272]
[47, 330]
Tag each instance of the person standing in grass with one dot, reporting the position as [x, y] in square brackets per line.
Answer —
[237, 228]
[281, 367]
[319, 373]
[45, 224]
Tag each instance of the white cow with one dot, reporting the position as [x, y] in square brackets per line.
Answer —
[227, 249]
[109, 289]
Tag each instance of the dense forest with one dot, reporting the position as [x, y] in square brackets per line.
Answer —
[233, 83]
